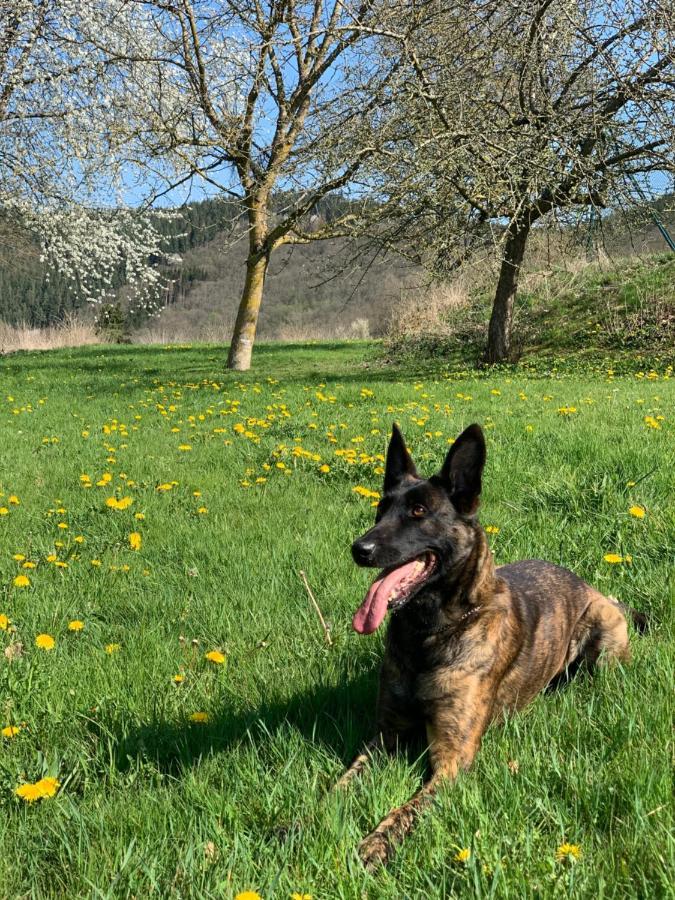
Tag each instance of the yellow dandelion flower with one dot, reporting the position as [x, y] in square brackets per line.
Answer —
[75, 625]
[613, 558]
[13, 499]
[248, 895]
[202, 510]
[4, 622]
[29, 793]
[28, 565]
[112, 648]
[492, 529]
[21, 581]
[62, 525]
[463, 855]
[4, 511]
[45, 642]
[79, 539]
[184, 448]
[10, 731]
[135, 540]
[178, 679]
[325, 469]
[200, 717]
[568, 853]
[139, 516]
[19, 557]
[47, 786]
[638, 512]
[96, 562]
[215, 656]
[298, 896]
[167, 486]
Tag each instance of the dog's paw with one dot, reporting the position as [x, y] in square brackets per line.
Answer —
[375, 850]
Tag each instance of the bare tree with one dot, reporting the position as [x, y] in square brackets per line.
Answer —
[258, 100]
[515, 113]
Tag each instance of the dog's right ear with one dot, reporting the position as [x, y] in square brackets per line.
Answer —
[399, 463]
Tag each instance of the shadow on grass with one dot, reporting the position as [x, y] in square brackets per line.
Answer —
[340, 717]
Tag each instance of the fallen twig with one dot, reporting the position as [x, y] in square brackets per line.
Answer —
[325, 627]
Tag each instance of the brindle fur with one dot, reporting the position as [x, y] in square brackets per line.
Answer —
[475, 641]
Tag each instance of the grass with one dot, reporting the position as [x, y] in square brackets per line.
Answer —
[599, 315]
[153, 804]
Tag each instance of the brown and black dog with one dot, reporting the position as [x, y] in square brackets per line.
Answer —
[466, 641]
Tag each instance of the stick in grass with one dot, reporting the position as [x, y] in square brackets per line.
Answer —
[325, 627]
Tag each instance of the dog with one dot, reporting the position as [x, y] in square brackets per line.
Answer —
[466, 641]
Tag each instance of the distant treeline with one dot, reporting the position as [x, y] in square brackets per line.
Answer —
[32, 294]
[36, 296]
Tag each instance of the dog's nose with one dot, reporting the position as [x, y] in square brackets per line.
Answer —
[362, 551]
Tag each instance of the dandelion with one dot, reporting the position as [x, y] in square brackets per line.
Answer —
[568, 853]
[96, 562]
[122, 503]
[139, 516]
[28, 564]
[202, 510]
[112, 648]
[135, 540]
[10, 731]
[297, 896]
[637, 512]
[215, 656]
[4, 622]
[45, 642]
[19, 557]
[184, 447]
[75, 625]
[248, 895]
[201, 718]
[42, 789]
[492, 529]
[365, 492]
[324, 469]
[13, 499]
[463, 855]
[21, 581]
[179, 678]
[62, 525]
[613, 558]
[4, 511]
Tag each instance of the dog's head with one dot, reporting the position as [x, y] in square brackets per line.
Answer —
[424, 528]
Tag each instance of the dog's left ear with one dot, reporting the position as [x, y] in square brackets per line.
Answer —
[462, 470]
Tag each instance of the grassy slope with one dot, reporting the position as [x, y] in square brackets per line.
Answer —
[620, 317]
[152, 805]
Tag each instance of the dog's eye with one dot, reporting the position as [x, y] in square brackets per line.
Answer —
[418, 511]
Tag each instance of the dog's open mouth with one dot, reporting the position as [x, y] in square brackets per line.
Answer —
[392, 589]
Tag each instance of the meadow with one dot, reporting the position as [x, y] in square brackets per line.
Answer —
[173, 713]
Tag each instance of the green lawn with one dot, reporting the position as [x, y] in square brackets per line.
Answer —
[151, 803]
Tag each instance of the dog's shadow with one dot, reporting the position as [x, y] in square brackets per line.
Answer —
[339, 717]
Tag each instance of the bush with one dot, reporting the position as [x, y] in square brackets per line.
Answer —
[112, 324]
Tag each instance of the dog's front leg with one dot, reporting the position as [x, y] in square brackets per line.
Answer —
[386, 740]
[454, 733]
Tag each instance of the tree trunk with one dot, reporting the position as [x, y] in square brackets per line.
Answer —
[241, 347]
[501, 320]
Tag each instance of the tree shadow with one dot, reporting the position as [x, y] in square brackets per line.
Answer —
[340, 717]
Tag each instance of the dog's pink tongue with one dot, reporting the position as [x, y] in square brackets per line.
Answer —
[369, 616]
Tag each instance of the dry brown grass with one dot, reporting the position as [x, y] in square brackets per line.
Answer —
[71, 332]
[426, 312]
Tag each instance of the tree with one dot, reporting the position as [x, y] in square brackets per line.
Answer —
[516, 113]
[258, 100]
[61, 170]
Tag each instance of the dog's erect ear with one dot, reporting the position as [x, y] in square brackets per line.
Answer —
[399, 461]
[462, 469]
